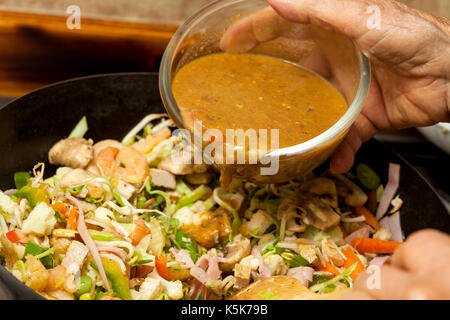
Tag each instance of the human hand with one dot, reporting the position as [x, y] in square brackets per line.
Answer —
[418, 270]
[409, 54]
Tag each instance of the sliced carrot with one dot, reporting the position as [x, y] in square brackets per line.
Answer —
[140, 231]
[370, 218]
[352, 258]
[13, 237]
[61, 207]
[73, 218]
[369, 245]
[329, 267]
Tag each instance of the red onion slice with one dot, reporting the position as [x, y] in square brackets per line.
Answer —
[390, 190]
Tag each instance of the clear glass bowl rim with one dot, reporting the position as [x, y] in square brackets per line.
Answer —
[329, 135]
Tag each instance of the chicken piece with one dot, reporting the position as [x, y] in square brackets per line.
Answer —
[276, 264]
[257, 225]
[307, 251]
[179, 165]
[330, 250]
[60, 244]
[236, 251]
[72, 152]
[163, 178]
[207, 227]
[36, 274]
[73, 178]
[350, 192]
[242, 274]
[150, 289]
[383, 234]
[75, 256]
[199, 178]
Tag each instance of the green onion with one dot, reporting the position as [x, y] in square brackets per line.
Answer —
[295, 260]
[182, 187]
[76, 190]
[43, 254]
[103, 236]
[187, 243]
[144, 261]
[21, 179]
[166, 199]
[84, 285]
[209, 203]
[118, 198]
[343, 276]
[380, 191]
[94, 201]
[192, 196]
[367, 176]
[80, 129]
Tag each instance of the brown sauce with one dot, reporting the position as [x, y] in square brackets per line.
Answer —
[247, 91]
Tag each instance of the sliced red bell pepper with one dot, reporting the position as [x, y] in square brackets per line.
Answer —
[169, 274]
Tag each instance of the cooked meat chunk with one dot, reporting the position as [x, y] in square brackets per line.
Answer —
[257, 225]
[325, 188]
[72, 152]
[199, 178]
[180, 166]
[163, 178]
[330, 250]
[151, 288]
[238, 249]
[74, 259]
[307, 251]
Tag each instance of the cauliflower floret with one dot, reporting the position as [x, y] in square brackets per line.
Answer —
[40, 221]
[187, 216]
[150, 289]
[174, 289]
[276, 264]
[103, 215]
[383, 234]
[257, 225]
[126, 190]
[7, 205]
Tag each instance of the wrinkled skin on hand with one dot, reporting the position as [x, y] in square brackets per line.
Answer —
[409, 56]
[419, 270]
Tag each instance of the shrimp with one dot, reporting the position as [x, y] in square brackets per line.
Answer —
[127, 163]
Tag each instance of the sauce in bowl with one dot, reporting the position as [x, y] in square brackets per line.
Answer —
[248, 91]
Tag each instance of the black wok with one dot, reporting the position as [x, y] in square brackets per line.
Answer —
[113, 104]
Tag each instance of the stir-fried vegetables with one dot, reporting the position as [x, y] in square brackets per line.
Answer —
[138, 225]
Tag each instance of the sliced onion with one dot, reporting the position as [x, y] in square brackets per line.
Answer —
[389, 190]
[395, 227]
[84, 234]
[264, 270]
[363, 232]
[183, 257]
[302, 274]
[379, 261]
[120, 252]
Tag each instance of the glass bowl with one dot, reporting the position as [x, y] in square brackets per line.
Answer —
[327, 53]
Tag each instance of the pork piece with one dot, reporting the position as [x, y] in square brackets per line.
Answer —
[72, 152]
[163, 178]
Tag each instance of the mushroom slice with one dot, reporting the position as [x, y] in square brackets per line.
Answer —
[314, 210]
[71, 152]
[350, 192]
[236, 251]
[325, 188]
